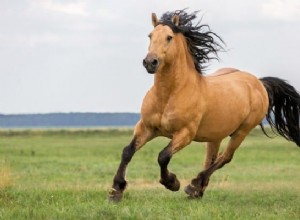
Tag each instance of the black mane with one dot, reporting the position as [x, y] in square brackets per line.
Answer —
[202, 42]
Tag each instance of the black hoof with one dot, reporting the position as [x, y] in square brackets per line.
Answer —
[115, 196]
[171, 183]
[193, 192]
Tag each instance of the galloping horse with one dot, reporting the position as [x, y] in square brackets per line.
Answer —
[185, 106]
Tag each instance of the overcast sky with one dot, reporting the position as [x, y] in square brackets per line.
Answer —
[86, 56]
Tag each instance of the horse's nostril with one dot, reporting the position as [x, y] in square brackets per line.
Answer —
[154, 62]
[144, 62]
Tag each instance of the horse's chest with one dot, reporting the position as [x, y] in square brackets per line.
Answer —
[165, 117]
[165, 123]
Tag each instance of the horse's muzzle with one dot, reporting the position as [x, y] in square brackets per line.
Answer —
[151, 63]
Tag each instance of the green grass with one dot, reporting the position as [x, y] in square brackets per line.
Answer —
[66, 174]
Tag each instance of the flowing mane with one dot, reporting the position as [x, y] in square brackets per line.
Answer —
[203, 44]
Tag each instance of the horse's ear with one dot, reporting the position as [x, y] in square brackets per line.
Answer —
[154, 20]
[175, 20]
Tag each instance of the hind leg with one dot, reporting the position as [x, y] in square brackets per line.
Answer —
[198, 185]
[179, 141]
[212, 150]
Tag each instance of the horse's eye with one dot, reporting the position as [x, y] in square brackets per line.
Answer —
[169, 38]
[149, 36]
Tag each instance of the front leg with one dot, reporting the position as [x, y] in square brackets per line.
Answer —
[179, 141]
[141, 136]
[119, 182]
[168, 179]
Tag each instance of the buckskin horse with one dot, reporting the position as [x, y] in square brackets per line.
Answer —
[185, 106]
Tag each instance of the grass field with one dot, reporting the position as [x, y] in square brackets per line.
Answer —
[66, 174]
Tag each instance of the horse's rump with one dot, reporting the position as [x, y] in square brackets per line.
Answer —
[232, 99]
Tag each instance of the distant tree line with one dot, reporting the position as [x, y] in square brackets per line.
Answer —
[68, 120]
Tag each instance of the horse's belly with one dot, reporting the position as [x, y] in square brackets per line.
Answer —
[208, 135]
[219, 125]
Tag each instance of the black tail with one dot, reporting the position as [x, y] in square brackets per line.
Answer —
[284, 108]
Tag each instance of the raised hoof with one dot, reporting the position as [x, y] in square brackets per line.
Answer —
[173, 184]
[193, 192]
[115, 196]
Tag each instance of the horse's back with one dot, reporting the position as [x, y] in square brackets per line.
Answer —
[234, 79]
[224, 71]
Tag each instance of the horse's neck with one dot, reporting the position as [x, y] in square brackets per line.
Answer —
[175, 77]
[172, 79]
[168, 79]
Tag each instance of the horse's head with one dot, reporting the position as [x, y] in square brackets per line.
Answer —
[162, 45]
[170, 31]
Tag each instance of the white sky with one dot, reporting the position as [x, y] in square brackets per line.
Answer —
[86, 56]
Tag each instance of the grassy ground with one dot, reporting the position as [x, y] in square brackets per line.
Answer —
[66, 174]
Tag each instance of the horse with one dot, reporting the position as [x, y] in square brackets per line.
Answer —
[185, 105]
